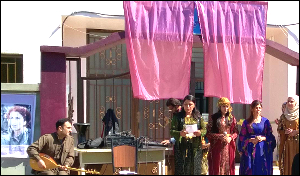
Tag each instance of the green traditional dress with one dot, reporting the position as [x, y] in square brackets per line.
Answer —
[204, 161]
[187, 151]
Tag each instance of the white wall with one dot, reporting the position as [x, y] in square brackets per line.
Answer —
[293, 44]
[26, 25]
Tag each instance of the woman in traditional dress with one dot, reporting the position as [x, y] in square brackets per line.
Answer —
[283, 106]
[189, 144]
[222, 132]
[288, 129]
[256, 143]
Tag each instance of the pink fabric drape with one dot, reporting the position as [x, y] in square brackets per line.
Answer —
[159, 38]
[234, 43]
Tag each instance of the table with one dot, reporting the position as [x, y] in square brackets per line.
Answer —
[104, 156]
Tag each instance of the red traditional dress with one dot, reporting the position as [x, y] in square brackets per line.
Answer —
[221, 156]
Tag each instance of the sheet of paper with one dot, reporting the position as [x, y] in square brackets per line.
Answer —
[191, 128]
[127, 172]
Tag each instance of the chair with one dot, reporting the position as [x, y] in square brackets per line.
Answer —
[124, 155]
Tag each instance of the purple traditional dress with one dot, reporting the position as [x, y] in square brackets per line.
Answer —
[256, 159]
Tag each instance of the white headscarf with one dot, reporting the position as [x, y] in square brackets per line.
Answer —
[292, 114]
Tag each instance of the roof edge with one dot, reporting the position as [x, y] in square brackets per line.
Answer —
[273, 48]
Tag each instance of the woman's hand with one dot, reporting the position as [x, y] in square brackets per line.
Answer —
[277, 121]
[254, 140]
[261, 138]
[183, 133]
[294, 133]
[288, 131]
[257, 139]
[197, 133]
[227, 139]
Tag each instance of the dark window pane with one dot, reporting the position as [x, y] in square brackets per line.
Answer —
[3, 73]
[11, 73]
[11, 68]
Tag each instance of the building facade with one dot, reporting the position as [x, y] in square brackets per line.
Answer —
[101, 81]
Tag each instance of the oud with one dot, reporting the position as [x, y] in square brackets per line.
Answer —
[51, 164]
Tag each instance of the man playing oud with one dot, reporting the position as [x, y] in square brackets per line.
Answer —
[58, 145]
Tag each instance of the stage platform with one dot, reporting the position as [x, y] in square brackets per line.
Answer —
[275, 169]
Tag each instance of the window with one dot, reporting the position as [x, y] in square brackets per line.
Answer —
[11, 68]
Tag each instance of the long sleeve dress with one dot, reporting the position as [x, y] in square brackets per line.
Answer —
[188, 152]
[289, 146]
[221, 156]
[256, 159]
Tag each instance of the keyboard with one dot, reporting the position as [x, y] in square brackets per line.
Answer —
[153, 143]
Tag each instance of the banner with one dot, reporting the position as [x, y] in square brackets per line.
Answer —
[17, 124]
[234, 44]
[159, 41]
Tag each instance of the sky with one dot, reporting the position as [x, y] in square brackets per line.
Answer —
[34, 24]
[26, 25]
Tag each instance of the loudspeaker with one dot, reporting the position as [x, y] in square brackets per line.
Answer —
[82, 131]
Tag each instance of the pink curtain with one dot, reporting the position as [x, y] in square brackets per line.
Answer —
[234, 43]
[159, 38]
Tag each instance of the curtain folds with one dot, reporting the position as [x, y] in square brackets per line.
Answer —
[159, 38]
[234, 44]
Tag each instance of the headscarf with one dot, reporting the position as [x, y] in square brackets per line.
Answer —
[283, 107]
[292, 114]
[225, 101]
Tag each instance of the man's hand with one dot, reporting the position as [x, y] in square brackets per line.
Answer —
[165, 142]
[41, 164]
[63, 168]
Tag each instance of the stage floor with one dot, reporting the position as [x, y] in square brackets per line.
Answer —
[275, 169]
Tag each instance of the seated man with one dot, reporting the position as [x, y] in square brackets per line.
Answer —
[58, 145]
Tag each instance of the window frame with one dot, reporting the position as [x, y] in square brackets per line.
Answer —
[16, 59]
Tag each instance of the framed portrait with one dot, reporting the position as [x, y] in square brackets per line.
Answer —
[17, 124]
[205, 117]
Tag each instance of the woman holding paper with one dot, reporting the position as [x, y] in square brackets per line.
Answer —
[222, 132]
[188, 129]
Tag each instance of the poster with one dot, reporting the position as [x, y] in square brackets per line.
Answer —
[17, 124]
